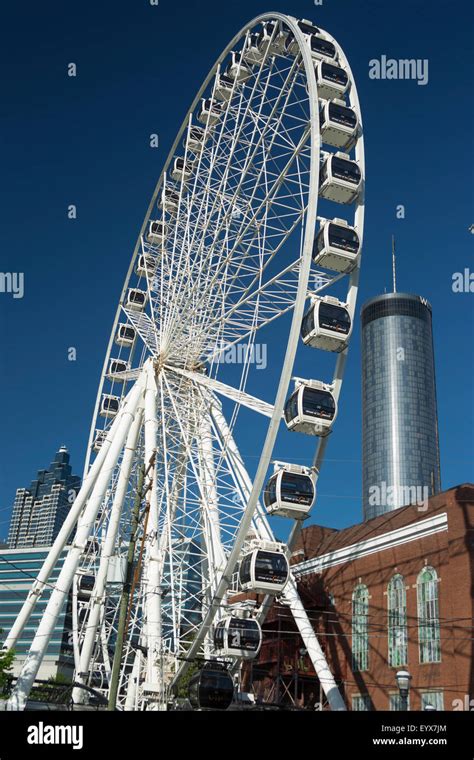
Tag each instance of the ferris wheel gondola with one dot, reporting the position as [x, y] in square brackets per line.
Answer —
[332, 80]
[290, 492]
[327, 324]
[264, 569]
[211, 688]
[239, 637]
[311, 408]
[272, 38]
[337, 245]
[338, 124]
[117, 369]
[340, 178]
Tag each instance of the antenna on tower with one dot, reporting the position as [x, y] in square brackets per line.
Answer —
[393, 265]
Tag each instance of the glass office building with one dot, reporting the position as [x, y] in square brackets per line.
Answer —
[18, 570]
[399, 410]
[40, 510]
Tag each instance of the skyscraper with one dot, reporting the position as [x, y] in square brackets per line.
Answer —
[399, 411]
[40, 510]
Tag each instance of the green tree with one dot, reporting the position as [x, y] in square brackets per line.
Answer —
[6, 662]
[182, 685]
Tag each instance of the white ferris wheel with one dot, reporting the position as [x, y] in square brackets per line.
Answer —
[231, 243]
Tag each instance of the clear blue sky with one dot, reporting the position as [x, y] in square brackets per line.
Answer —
[84, 141]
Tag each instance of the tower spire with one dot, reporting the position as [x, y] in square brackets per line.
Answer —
[394, 272]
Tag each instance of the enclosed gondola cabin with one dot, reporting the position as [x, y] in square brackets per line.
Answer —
[224, 88]
[327, 325]
[211, 111]
[264, 570]
[332, 80]
[156, 232]
[290, 492]
[212, 688]
[145, 265]
[109, 405]
[117, 368]
[272, 38]
[251, 52]
[194, 141]
[125, 335]
[237, 70]
[98, 440]
[136, 299]
[169, 200]
[85, 586]
[340, 179]
[337, 246]
[322, 49]
[182, 170]
[237, 637]
[311, 409]
[338, 124]
[307, 28]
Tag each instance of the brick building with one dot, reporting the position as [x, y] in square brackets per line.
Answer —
[394, 592]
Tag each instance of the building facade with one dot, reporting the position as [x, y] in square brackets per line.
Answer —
[18, 570]
[391, 593]
[399, 410]
[40, 510]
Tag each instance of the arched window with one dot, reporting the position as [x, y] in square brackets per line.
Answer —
[397, 622]
[428, 616]
[360, 628]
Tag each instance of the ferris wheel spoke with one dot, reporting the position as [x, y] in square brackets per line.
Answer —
[242, 176]
[251, 402]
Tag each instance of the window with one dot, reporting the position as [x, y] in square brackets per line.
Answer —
[397, 622]
[334, 318]
[360, 628]
[318, 403]
[334, 73]
[346, 170]
[433, 698]
[395, 702]
[361, 702]
[428, 616]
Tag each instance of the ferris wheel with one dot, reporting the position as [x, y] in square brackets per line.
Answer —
[173, 558]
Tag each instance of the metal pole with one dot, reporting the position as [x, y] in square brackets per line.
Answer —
[290, 592]
[97, 598]
[152, 562]
[124, 601]
[394, 272]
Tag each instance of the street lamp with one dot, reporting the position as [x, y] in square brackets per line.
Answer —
[403, 680]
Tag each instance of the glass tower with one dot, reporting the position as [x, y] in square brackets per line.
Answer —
[40, 510]
[399, 413]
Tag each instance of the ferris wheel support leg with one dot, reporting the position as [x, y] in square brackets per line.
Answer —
[61, 539]
[153, 590]
[310, 640]
[290, 591]
[48, 621]
[209, 492]
[97, 598]
[132, 688]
